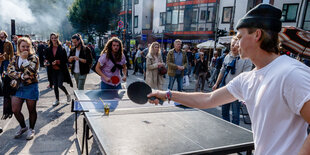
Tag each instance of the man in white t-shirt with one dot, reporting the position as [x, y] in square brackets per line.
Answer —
[276, 92]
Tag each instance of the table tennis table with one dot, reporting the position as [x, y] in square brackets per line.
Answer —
[148, 129]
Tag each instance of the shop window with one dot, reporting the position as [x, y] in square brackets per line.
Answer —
[136, 21]
[181, 16]
[195, 16]
[162, 18]
[171, 1]
[168, 17]
[227, 12]
[289, 12]
[181, 27]
[209, 14]
[193, 27]
[201, 27]
[306, 25]
[175, 14]
[203, 15]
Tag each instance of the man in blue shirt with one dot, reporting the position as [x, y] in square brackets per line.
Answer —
[177, 62]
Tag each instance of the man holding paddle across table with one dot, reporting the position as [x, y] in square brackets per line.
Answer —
[276, 92]
[111, 61]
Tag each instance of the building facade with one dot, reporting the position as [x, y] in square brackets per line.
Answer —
[196, 21]
[192, 21]
[294, 12]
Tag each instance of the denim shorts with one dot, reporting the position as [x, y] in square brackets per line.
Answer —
[30, 92]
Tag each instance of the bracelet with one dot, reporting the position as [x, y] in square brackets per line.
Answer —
[169, 95]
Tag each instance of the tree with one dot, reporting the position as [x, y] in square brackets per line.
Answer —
[94, 17]
[66, 30]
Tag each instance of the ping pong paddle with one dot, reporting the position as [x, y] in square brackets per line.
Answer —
[115, 79]
[138, 91]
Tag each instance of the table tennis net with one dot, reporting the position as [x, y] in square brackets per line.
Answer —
[117, 109]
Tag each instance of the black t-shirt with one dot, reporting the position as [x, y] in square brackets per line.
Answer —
[201, 67]
[190, 58]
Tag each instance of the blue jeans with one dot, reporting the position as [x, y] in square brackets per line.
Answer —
[107, 86]
[179, 79]
[192, 70]
[4, 66]
[80, 80]
[235, 112]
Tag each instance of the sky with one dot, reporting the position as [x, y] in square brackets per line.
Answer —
[33, 16]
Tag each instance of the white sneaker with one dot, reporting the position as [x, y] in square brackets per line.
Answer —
[30, 134]
[56, 103]
[68, 98]
[20, 132]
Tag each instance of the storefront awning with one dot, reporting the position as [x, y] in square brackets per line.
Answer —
[225, 40]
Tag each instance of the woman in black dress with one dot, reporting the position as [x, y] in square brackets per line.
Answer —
[57, 60]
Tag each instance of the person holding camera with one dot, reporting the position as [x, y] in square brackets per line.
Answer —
[154, 63]
[232, 66]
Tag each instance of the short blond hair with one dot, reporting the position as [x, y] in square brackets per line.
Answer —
[178, 40]
[28, 41]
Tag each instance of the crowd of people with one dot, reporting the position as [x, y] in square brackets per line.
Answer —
[21, 60]
[274, 88]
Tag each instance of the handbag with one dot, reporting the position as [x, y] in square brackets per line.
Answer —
[56, 67]
[162, 70]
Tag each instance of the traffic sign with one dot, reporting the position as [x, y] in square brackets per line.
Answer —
[231, 32]
[120, 24]
[144, 37]
[132, 42]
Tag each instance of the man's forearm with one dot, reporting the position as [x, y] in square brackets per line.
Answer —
[219, 78]
[125, 72]
[203, 100]
[194, 100]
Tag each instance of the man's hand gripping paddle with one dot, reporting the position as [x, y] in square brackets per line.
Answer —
[138, 91]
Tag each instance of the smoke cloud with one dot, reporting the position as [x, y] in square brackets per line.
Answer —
[38, 17]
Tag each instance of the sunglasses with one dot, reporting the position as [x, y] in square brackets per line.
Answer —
[2, 37]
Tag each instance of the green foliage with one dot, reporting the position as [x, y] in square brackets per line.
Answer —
[94, 16]
[66, 30]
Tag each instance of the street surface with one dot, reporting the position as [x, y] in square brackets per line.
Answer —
[55, 130]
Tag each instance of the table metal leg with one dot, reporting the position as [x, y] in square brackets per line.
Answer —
[84, 135]
[249, 152]
[75, 122]
[86, 139]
